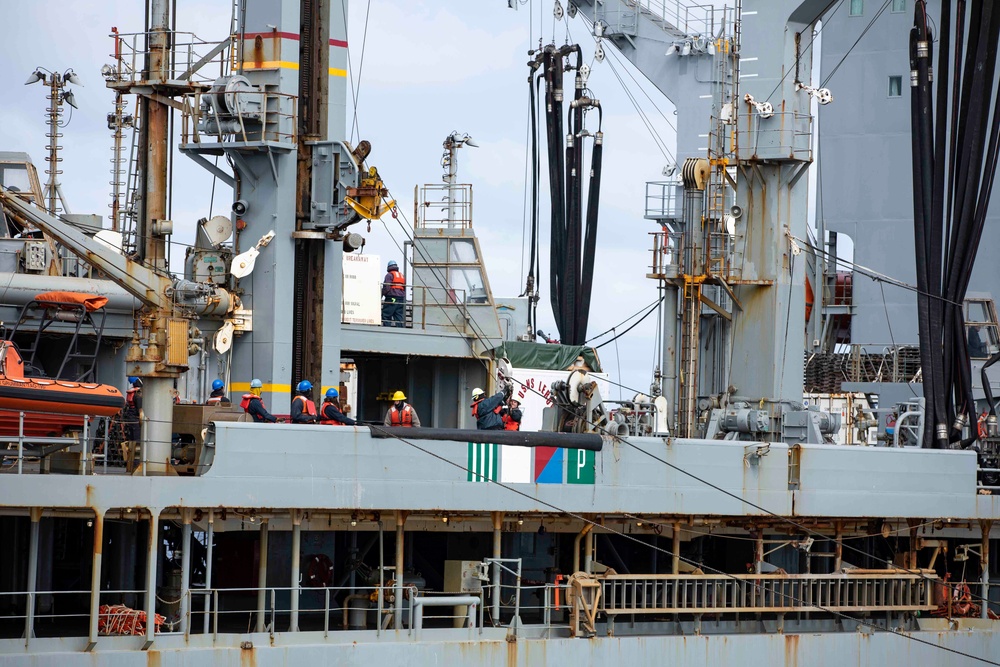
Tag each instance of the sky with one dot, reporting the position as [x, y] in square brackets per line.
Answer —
[422, 69]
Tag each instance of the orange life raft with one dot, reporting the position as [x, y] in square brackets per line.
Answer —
[51, 406]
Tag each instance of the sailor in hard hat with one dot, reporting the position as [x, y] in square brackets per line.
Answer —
[253, 404]
[303, 407]
[393, 296]
[401, 413]
[487, 411]
[218, 395]
[330, 412]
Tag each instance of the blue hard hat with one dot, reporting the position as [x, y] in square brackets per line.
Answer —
[256, 384]
[217, 384]
[391, 264]
[305, 385]
[332, 393]
[132, 379]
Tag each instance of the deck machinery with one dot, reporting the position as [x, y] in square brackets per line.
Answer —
[360, 544]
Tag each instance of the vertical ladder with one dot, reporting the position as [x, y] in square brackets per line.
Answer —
[690, 331]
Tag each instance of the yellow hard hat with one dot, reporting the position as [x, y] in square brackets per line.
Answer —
[399, 396]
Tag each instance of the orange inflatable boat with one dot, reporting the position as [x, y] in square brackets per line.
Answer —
[50, 406]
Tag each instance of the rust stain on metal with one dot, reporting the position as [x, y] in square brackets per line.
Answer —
[512, 654]
[98, 533]
[791, 650]
[153, 659]
[258, 52]
[248, 657]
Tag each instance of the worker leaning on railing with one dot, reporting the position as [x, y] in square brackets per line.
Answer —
[393, 296]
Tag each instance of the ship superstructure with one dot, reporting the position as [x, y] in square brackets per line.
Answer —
[712, 522]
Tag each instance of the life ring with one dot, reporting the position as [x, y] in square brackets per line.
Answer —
[319, 571]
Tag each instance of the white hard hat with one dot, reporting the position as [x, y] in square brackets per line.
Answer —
[477, 392]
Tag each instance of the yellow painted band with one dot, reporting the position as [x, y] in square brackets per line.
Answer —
[284, 64]
[273, 388]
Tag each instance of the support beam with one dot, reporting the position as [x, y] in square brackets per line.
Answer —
[838, 549]
[675, 547]
[588, 553]
[95, 578]
[29, 612]
[262, 576]
[758, 551]
[497, 524]
[984, 565]
[210, 538]
[397, 616]
[152, 554]
[293, 624]
[576, 545]
[185, 608]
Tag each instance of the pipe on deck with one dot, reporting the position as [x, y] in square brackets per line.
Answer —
[589, 441]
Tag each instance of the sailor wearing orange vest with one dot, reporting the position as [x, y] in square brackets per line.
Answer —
[303, 408]
[253, 404]
[401, 413]
[486, 411]
[330, 412]
[133, 407]
[393, 296]
[218, 395]
[511, 415]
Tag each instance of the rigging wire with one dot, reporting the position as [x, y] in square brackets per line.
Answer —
[483, 340]
[888, 323]
[633, 326]
[809, 46]
[361, 67]
[873, 274]
[868, 27]
[707, 568]
[635, 314]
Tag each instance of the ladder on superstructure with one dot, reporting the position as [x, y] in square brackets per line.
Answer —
[708, 266]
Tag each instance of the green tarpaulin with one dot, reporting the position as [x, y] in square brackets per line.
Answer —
[547, 356]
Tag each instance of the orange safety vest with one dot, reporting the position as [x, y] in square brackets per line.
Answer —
[130, 397]
[475, 410]
[245, 403]
[310, 407]
[509, 424]
[329, 422]
[405, 420]
[398, 281]
[214, 400]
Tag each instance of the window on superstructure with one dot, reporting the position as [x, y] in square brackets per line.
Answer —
[857, 7]
[898, 6]
[895, 86]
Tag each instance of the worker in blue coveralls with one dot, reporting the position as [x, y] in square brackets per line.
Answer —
[487, 411]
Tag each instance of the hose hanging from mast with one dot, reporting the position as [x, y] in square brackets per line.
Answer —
[571, 253]
[951, 194]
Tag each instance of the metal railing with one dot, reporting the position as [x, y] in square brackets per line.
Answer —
[690, 19]
[67, 608]
[274, 123]
[664, 200]
[21, 447]
[442, 206]
[421, 305]
[782, 136]
[673, 16]
[188, 52]
[668, 255]
[775, 593]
